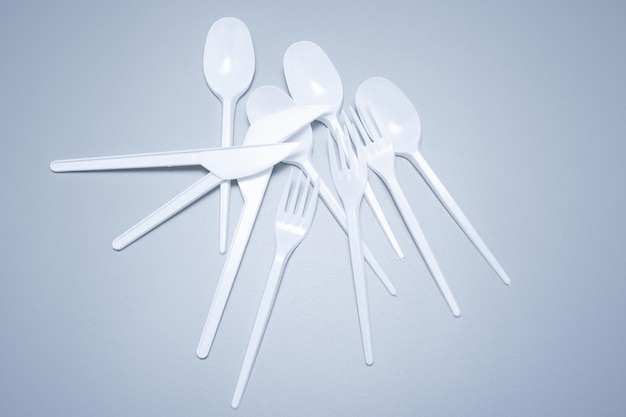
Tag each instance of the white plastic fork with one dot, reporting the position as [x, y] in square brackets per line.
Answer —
[293, 220]
[349, 172]
[381, 159]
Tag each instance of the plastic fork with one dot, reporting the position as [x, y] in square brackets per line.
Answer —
[381, 159]
[293, 220]
[349, 172]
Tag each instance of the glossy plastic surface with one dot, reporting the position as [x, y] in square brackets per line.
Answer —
[229, 66]
[391, 115]
[380, 157]
[313, 79]
[227, 163]
[349, 172]
[293, 220]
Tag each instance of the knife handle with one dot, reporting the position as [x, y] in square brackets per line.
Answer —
[133, 161]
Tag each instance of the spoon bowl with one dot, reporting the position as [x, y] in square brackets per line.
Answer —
[396, 117]
[228, 61]
[313, 79]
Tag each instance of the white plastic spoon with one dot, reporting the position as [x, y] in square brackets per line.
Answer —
[397, 119]
[313, 79]
[228, 68]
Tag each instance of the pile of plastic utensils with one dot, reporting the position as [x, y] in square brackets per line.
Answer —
[383, 125]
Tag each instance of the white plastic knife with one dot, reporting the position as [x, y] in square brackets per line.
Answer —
[227, 163]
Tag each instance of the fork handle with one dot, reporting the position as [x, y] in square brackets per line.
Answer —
[336, 209]
[422, 244]
[455, 211]
[260, 325]
[360, 286]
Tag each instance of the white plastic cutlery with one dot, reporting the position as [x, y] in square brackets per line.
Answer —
[182, 200]
[381, 159]
[349, 172]
[384, 125]
[228, 68]
[293, 220]
[253, 190]
[313, 79]
[396, 119]
[227, 163]
[276, 99]
[264, 131]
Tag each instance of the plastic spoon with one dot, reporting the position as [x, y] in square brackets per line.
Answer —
[228, 68]
[313, 79]
[397, 119]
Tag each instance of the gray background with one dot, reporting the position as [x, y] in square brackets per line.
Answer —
[522, 108]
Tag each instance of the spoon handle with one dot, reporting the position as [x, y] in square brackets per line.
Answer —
[455, 211]
[377, 209]
[228, 114]
[422, 244]
[169, 209]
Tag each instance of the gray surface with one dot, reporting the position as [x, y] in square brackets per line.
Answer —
[522, 107]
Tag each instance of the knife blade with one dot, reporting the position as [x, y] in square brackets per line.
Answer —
[280, 125]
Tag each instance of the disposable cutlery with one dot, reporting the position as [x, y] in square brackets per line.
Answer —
[253, 190]
[226, 163]
[313, 79]
[276, 99]
[349, 172]
[293, 220]
[271, 129]
[391, 114]
[381, 159]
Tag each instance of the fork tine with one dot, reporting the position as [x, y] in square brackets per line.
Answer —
[371, 126]
[342, 149]
[333, 159]
[312, 201]
[294, 186]
[365, 137]
[356, 156]
[303, 188]
[284, 199]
